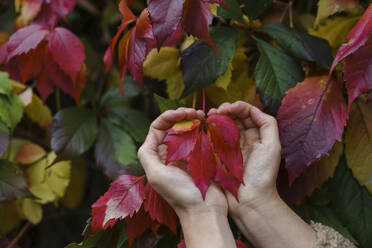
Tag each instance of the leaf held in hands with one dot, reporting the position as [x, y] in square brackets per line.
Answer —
[201, 143]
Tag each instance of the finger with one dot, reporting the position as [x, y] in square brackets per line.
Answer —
[268, 126]
[212, 111]
[223, 109]
[239, 110]
[252, 135]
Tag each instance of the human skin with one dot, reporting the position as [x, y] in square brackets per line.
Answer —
[204, 222]
[261, 215]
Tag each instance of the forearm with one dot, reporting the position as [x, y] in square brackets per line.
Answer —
[206, 230]
[271, 223]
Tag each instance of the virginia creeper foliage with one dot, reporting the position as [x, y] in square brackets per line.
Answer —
[80, 82]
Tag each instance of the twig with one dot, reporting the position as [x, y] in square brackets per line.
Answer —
[87, 6]
[19, 235]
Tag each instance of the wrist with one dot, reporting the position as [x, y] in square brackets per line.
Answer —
[257, 202]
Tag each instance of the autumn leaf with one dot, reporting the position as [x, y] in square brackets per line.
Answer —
[330, 7]
[358, 142]
[358, 71]
[212, 149]
[40, 54]
[124, 198]
[357, 37]
[311, 118]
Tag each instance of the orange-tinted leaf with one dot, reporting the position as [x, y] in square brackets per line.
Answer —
[311, 118]
[29, 154]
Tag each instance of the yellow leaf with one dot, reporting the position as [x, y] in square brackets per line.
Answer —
[329, 7]
[48, 181]
[241, 86]
[358, 142]
[15, 145]
[75, 191]
[3, 37]
[29, 154]
[224, 80]
[9, 217]
[335, 30]
[30, 210]
[188, 42]
[38, 112]
[165, 65]
[213, 7]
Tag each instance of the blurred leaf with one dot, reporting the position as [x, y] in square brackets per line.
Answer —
[165, 65]
[224, 80]
[75, 190]
[352, 204]
[38, 112]
[12, 182]
[255, 9]
[73, 131]
[6, 84]
[335, 30]
[9, 217]
[275, 71]
[329, 7]
[29, 154]
[31, 210]
[358, 142]
[301, 45]
[4, 137]
[48, 180]
[115, 151]
[210, 64]
[166, 104]
[133, 121]
[232, 12]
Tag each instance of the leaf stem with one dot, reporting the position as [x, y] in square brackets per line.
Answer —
[19, 235]
[203, 99]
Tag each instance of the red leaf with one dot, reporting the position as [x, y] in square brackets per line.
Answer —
[108, 60]
[358, 72]
[124, 197]
[31, 64]
[198, 142]
[25, 39]
[182, 244]
[311, 118]
[137, 225]
[196, 18]
[159, 209]
[357, 37]
[67, 51]
[165, 18]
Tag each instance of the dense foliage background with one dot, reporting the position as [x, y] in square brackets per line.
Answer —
[81, 80]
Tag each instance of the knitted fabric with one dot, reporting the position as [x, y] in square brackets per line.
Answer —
[327, 237]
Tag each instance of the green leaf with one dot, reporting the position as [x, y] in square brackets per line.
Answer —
[133, 121]
[233, 11]
[301, 45]
[275, 71]
[115, 151]
[201, 65]
[254, 8]
[113, 97]
[4, 138]
[5, 84]
[166, 104]
[13, 184]
[352, 204]
[73, 131]
[111, 238]
[11, 110]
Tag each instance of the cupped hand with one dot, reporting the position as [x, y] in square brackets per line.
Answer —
[172, 181]
[261, 154]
